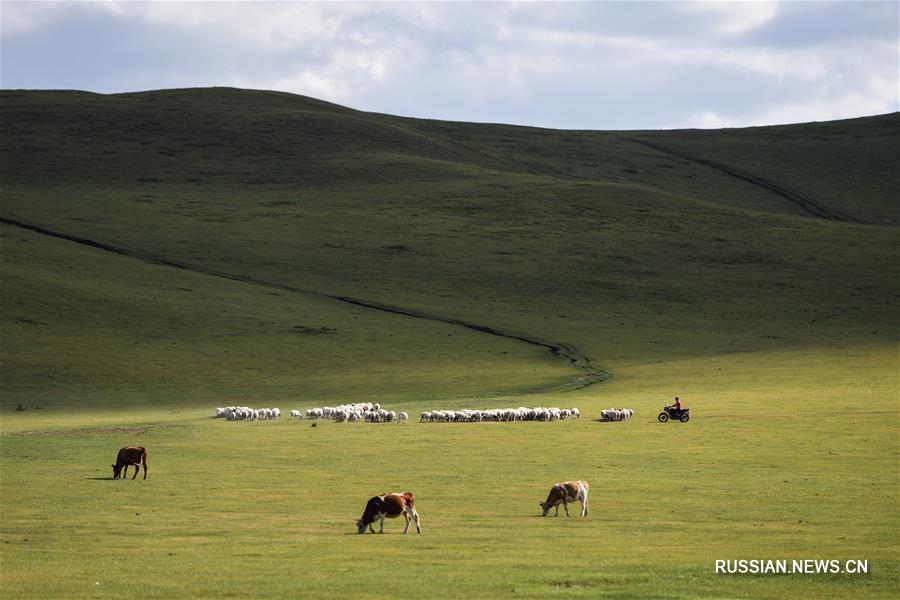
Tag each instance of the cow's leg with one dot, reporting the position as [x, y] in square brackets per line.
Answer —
[137, 469]
[382, 524]
[124, 471]
[415, 516]
[372, 526]
[566, 506]
[145, 469]
[406, 518]
[556, 514]
[584, 498]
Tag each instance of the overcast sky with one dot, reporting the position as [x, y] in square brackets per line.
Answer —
[597, 65]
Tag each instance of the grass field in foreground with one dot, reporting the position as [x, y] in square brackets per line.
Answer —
[763, 470]
[776, 325]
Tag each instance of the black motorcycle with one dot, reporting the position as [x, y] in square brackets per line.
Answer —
[676, 414]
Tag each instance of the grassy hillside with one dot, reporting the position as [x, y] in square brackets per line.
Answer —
[510, 226]
[167, 252]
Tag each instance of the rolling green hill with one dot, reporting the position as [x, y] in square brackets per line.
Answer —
[631, 246]
[163, 253]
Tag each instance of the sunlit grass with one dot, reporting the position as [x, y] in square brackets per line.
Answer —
[778, 329]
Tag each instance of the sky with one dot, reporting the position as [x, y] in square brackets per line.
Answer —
[565, 65]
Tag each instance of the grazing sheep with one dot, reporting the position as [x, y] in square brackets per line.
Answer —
[503, 415]
[616, 414]
[343, 413]
[402, 417]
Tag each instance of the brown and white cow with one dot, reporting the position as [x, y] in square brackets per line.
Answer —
[130, 456]
[563, 493]
[391, 506]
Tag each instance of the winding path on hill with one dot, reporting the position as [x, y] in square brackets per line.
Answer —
[567, 352]
[805, 204]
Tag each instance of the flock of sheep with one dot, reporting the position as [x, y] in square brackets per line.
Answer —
[345, 413]
[373, 413]
[245, 413]
[522, 413]
[616, 414]
[353, 413]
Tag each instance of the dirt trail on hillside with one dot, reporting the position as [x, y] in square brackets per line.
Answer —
[590, 374]
[805, 204]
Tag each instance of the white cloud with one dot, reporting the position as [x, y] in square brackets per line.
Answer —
[482, 58]
[362, 64]
[732, 18]
[307, 83]
[19, 18]
[848, 104]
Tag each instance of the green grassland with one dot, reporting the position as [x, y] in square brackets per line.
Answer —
[753, 272]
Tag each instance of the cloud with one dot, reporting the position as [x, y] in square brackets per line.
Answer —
[587, 65]
[871, 96]
[20, 18]
[732, 18]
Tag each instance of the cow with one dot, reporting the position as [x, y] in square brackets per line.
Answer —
[391, 506]
[130, 456]
[563, 493]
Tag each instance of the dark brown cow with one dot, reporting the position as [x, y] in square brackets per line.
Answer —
[391, 506]
[563, 493]
[130, 456]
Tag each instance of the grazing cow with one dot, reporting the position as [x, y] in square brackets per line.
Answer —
[130, 456]
[563, 493]
[391, 506]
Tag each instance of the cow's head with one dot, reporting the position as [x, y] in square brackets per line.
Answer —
[545, 508]
[117, 470]
[360, 526]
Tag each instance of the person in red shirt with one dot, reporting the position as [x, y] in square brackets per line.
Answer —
[676, 406]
